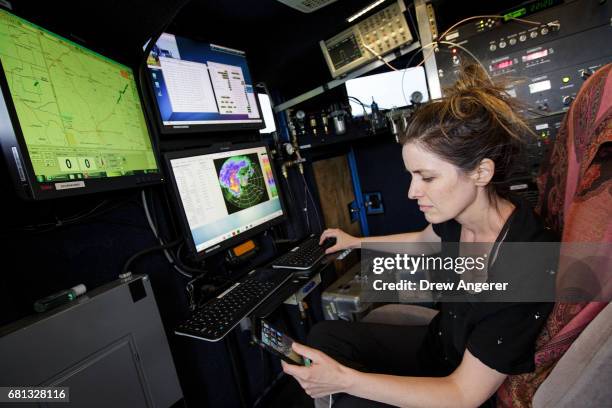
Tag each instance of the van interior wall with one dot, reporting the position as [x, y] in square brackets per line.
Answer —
[381, 169]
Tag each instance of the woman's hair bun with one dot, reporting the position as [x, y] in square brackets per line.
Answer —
[476, 119]
[475, 95]
[469, 77]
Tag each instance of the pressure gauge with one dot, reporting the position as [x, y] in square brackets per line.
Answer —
[289, 148]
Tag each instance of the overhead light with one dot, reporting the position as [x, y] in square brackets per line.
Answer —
[363, 11]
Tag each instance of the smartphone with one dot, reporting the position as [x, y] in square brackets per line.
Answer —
[279, 344]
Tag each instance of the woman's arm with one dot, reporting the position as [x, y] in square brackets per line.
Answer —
[344, 240]
[471, 384]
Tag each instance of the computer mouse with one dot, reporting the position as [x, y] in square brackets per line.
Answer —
[329, 242]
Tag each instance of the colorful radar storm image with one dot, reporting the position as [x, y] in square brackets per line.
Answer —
[241, 181]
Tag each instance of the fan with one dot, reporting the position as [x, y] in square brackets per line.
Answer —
[307, 6]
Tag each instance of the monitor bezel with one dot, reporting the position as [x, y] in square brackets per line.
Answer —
[23, 174]
[198, 128]
[176, 197]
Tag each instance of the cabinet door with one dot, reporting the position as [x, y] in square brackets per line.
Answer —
[335, 187]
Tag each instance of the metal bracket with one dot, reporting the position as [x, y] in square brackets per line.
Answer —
[373, 203]
[298, 296]
[353, 210]
[423, 16]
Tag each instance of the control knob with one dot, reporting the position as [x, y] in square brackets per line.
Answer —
[585, 73]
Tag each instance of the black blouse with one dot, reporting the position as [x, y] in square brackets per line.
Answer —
[500, 335]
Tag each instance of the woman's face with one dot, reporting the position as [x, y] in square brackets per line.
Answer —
[442, 190]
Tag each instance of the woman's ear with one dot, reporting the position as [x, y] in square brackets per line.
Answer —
[483, 174]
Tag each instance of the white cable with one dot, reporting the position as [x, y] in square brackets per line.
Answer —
[161, 241]
[146, 209]
[377, 55]
[314, 205]
[306, 211]
[330, 400]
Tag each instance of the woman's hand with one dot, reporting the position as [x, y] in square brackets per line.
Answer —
[343, 240]
[323, 377]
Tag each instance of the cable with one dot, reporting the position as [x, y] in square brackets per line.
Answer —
[151, 199]
[468, 51]
[454, 45]
[431, 52]
[459, 23]
[417, 52]
[314, 204]
[306, 211]
[80, 216]
[379, 57]
[189, 288]
[402, 86]
[425, 57]
[145, 205]
[126, 273]
[365, 113]
[181, 264]
[167, 254]
[420, 50]
[292, 200]
[416, 32]
[84, 214]
[289, 189]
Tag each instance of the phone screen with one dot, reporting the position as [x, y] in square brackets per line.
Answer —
[280, 343]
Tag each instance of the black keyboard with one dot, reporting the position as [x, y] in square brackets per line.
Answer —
[304, 256]
[212, 321]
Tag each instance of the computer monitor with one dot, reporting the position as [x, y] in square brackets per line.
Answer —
[389, 89]
[71, 120]
[224, 194]
[201, 87]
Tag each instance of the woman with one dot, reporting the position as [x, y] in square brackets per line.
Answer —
[460, 151]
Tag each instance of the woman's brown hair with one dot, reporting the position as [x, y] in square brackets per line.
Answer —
[476, 119]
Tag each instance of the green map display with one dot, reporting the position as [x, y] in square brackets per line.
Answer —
[79, 112]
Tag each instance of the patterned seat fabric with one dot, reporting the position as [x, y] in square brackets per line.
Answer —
[576, 201]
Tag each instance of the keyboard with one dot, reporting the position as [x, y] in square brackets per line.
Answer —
[216, 318]
[304, 256]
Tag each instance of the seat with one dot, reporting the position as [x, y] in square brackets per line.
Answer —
[401, 315]
[581, 377]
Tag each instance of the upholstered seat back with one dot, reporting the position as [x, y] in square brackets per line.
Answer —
[576, 201]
